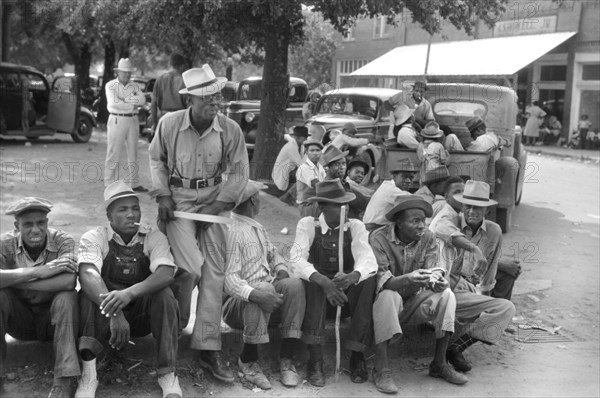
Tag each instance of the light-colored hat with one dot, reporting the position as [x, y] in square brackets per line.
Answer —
[350, 129]
[115, 191]
[125, 65]
[202, 82]
[476, 193]
[401, 114]
[251, 189]
[406, 202]
[438, 174]
[432, 130]
[29, 203]
[332, 154]
[331, 191]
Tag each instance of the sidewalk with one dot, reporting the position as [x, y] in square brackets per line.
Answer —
[578, 154]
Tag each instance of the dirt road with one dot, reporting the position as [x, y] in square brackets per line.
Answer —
[555, 235]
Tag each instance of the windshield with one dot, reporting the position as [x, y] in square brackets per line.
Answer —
[251, 91]
[349, 105]
[459, 108]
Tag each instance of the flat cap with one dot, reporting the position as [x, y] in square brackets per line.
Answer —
[29, 203]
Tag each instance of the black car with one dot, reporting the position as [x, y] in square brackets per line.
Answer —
[31, 107]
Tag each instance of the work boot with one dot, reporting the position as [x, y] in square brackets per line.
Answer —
[447, 373]
[289, 375]
[384, 382]
[169, 384]
[315, 374]
[211, 360]
[253, 373]
[456, 359]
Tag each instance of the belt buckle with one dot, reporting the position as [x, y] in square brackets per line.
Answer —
[200, 184]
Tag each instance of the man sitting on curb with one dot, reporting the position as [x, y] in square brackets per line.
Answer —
[382, 200]
[261, 292]
[125, 271]
[316, 260]
[406, 252]
[478, 243]
[38, 301]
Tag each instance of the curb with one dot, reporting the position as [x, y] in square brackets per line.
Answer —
[564, 156]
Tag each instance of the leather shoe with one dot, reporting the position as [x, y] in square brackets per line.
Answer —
[289, 375]
[447, 373]
[60, 391]
[358, 369]
[315, 374]
[254, 374]
[456, 359]
[211, 360]
[384, 382]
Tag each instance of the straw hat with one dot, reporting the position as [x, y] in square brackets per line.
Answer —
[476, 193]
[125, 65]
[202, 82]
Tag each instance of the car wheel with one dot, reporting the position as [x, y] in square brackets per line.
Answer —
[84, 129]
[503, 218]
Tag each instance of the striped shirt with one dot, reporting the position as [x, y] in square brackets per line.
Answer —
[250, 257]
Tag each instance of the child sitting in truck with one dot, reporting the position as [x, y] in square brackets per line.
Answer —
[431, 153]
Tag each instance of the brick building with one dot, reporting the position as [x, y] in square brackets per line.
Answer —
[545, 50]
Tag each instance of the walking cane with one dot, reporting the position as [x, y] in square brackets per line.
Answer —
[338, 314]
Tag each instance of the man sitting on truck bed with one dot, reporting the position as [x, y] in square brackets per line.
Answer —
[484, 141]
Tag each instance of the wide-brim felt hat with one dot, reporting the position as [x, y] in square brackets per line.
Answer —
[331, 191]
[300, 131]
[27, 204]
[420, 84]
[476, 193]
[436, 175]
[125, 65]
[474, 123]
[349, 128]
[407, 202]
[332, 154]
[359, 161]
[432, 130]
[115, 191]
[202, 82]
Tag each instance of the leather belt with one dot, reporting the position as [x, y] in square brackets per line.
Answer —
[194, 183]
[124, 114]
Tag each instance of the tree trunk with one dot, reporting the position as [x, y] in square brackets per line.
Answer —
[109, 73]
[5, 10]
[271, 125]
[82, 69]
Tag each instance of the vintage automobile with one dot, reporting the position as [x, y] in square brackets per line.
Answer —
[24, 91]
[146, 84]
[453, 104]
[245, 110]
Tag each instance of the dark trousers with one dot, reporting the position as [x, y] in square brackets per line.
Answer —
[155, 313]
[504, 285]
[57, 320]
[182, 288]
[359, 307]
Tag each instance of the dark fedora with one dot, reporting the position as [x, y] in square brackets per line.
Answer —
[300, 131]
[357, 161]
[332, 154]
[331, 191]
[406, 202]
[404, 165]
[436, 175]
[474, 123]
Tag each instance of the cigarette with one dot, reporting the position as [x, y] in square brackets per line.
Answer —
[137, 224]
[131, 342]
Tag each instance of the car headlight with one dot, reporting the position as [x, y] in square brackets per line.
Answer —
[249, 117]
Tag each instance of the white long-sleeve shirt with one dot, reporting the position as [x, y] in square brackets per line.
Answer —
[123, 98]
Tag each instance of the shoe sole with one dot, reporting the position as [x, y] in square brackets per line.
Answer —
[205, 365]
[386, 391]
[451, 382]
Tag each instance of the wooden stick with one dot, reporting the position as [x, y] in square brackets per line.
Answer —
[338, 313]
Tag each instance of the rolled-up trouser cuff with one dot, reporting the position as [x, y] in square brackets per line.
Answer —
[165, 370]
[291, 333]
[91, 344]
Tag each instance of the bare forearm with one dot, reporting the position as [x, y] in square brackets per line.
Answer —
[92, 284]
[161, 278]
[12, 277]
[463, 243]
[58, 283]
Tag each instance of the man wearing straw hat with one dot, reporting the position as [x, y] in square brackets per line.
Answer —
[123, 98]
[38, 301]
[125, 272]
[411, 288]
[316, 260]
[199, 165]
[261, 293]
[478, 244]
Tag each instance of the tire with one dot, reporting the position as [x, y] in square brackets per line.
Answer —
[83, 132]
[503, 218]
[518, 195]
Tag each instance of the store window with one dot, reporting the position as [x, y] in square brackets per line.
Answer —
[590, 72]
[349, 36]
[590, 105]
[553, 73]
[381, 28]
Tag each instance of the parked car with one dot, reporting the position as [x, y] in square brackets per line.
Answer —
[146, 84]
[245, 110]
[49, 108]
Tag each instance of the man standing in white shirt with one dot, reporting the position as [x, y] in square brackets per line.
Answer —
[123, 98]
